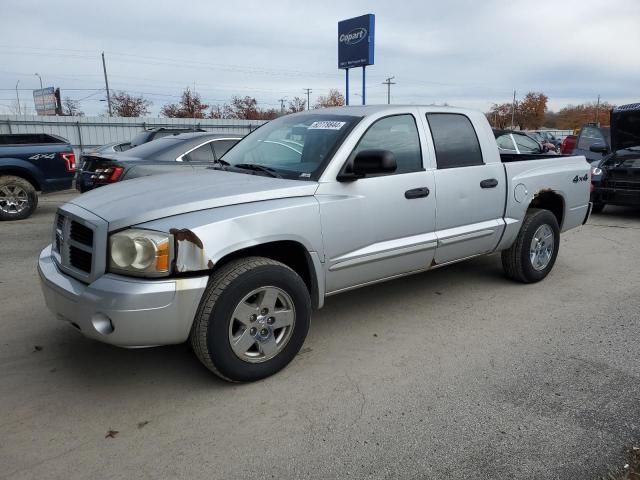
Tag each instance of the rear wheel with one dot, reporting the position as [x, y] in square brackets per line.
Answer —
[18, 198]
[252, 320]
[533, 254]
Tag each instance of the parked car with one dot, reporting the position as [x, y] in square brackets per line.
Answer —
[29, 163]
[309, 205]
[616, 178]
[547, 146]
[590, 135]
[113, 147]
[568, 144]
[154, 133]
[550, 138]
[514, 141]
[186, 151]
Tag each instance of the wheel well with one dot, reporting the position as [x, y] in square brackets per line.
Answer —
[549, 200]
[292, 254]
[18, 172]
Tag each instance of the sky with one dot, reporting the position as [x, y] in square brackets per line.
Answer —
[463, 53]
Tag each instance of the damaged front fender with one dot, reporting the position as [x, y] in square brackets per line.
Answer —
[189, 251]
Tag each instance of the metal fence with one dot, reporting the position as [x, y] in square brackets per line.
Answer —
[87, 132]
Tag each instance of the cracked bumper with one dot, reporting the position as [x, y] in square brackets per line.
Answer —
[123, 311]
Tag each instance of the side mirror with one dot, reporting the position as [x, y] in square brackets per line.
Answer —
[599, 148]
[369, 162]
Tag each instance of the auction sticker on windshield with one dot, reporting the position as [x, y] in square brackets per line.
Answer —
[326, 125]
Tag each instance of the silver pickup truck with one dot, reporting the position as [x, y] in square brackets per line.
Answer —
[309, 205]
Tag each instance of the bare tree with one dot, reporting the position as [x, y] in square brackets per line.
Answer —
[71, 107]
[189, 106]
[334, 99]
[125, 105]
[297, 105]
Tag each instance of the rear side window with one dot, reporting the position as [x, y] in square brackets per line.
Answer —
[526, 144]
[589, 136]
[455, 140]
[201, 154]
[505, 143]
[222, 146]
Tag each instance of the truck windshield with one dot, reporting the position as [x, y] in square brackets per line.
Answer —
[295, 146]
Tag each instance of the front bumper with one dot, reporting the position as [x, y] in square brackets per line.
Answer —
[615, 196]
[123, 311]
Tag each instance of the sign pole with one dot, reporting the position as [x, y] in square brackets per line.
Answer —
[346, 71]
[363, 85]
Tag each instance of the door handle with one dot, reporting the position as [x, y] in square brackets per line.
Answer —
[489, 183]
[416, 193]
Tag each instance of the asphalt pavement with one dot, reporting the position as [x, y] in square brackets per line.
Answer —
[454, 373]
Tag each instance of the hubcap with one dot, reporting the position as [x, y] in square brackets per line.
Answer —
[13, 199]
[541, 249]
[262, 324]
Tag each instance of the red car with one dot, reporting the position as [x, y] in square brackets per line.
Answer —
[568, 144]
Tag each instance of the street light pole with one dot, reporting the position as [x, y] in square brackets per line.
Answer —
[18, 98]
[38, 75]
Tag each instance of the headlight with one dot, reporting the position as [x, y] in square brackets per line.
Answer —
[595, 171]
[140, 252]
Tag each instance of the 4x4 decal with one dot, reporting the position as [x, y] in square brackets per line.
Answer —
[584, 178]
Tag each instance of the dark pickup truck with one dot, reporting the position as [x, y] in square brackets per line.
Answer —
[616, 178]
[30, 163]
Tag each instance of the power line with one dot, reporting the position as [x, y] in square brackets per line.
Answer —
[106, 83]
[388, 83]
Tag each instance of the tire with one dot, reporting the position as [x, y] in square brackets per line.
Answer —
[18, 198]
[598, 207]
[517, 261]
[219, 330]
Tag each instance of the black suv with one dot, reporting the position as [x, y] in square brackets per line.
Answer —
[616, 178]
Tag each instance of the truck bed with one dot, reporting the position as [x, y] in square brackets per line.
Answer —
[521, 157]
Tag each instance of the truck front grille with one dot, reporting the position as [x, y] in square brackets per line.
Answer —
[80, 259]
[81, 234]
[73, 246]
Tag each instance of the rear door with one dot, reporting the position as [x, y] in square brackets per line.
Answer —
[470, 194]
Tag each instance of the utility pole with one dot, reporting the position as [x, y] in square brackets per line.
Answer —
[513, 110]
[18, 97]
[106, 84]
[598, 111]
[388, 83]
[308, 92]
[281, 100]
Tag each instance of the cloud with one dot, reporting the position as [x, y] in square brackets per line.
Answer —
[465, 52]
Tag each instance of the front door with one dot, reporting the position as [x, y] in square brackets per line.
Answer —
[381, 226]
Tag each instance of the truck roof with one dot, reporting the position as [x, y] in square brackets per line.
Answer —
[362, 110]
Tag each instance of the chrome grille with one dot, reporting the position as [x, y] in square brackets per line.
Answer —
[73, 246]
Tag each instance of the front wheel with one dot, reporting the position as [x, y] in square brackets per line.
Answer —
[18, 198]
[533, 254]
[252, 320]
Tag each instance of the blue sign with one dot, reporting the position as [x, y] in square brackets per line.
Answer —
[355, 41]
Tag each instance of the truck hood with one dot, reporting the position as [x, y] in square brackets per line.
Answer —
[149, 198]
[625, 127]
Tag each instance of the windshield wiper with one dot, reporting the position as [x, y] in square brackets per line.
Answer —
[258, 168]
